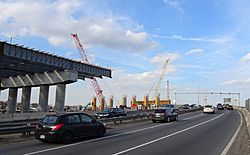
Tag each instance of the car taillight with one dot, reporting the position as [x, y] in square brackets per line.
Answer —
[57, 127]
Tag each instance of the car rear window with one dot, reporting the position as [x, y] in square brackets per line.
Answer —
[50, 119]
[159, 110]
[208, 106]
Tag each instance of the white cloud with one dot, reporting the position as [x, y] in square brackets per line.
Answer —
[194, 51]
[245, 58]
[68, 54]
[175, 4]
[219, 40]
[179, 37]
[54, 21]
[164, 56]
[236, 82]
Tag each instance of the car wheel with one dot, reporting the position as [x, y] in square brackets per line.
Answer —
[154, 121]
[168, 119]
[176, 118]
[44, 141]
[67, 138]
[100, 132]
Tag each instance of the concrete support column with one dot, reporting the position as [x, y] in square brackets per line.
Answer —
[43, 98]
[25, 101]
[157, 101]
[12, 100]
[60, 97]
[94, 104]
[145, 104]
[124, 100]
[111, 101]
[102, 103]
[134, 106]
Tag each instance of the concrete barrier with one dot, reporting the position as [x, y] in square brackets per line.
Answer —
[21, 116]
[246, 115]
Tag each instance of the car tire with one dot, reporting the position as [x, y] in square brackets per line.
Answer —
[67, 138]
[176, 118]
[44, 141]
[100, 132]
[154, 121]
[168, 119]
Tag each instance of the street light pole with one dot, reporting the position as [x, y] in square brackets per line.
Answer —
[199, 84]
[199, 93]
[175, 98]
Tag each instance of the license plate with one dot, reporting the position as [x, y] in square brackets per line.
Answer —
[42, 136]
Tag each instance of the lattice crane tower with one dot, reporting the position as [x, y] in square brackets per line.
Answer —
[84, 58]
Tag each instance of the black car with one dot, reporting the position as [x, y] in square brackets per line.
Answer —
[230, 107]
[220, 106]
[110, 112]
[186, 106]
[166, 115]
[68, 126]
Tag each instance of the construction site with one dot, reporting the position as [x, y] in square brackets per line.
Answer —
[147, 102]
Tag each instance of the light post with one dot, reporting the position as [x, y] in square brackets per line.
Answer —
[175, 98]
[199, 84]
[199, 93]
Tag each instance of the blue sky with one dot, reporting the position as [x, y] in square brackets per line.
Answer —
[207, 43]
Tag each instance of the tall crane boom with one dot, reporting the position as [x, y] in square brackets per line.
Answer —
[84, 58]
[157, 88]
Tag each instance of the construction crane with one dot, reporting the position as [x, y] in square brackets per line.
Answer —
[84, 58]
[163, 71]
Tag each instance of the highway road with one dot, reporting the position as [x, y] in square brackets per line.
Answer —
[193, 134]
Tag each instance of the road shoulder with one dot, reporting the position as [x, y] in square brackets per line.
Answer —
[241, 145]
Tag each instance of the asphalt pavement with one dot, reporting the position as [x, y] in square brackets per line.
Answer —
[193, 134]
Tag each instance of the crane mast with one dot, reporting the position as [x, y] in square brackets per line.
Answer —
[157, 88]
[84, 58]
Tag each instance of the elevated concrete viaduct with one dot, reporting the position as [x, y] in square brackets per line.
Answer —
[24, 68]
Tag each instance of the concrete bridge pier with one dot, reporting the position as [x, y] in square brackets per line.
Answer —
[12, 100]
[111, 102]
[145, 103]
[43, 98]
[25, 101]
[60, 97]
[124, 100]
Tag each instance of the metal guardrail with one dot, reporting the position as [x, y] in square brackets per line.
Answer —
[27, 127]
[25, 130]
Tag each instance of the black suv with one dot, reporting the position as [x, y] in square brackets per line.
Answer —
[220, 106]
[110, 112]
[166, 114]
[65, 127]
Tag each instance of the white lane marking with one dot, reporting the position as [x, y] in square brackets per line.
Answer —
[224, 152]
[107, 137]
[156, 140]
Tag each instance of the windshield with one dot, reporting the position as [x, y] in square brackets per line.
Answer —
[159, 110]
[208, 106]
[50, 119]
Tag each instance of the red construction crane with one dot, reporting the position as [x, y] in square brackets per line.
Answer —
[84, 58]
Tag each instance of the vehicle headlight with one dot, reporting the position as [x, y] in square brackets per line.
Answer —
[104, 124]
